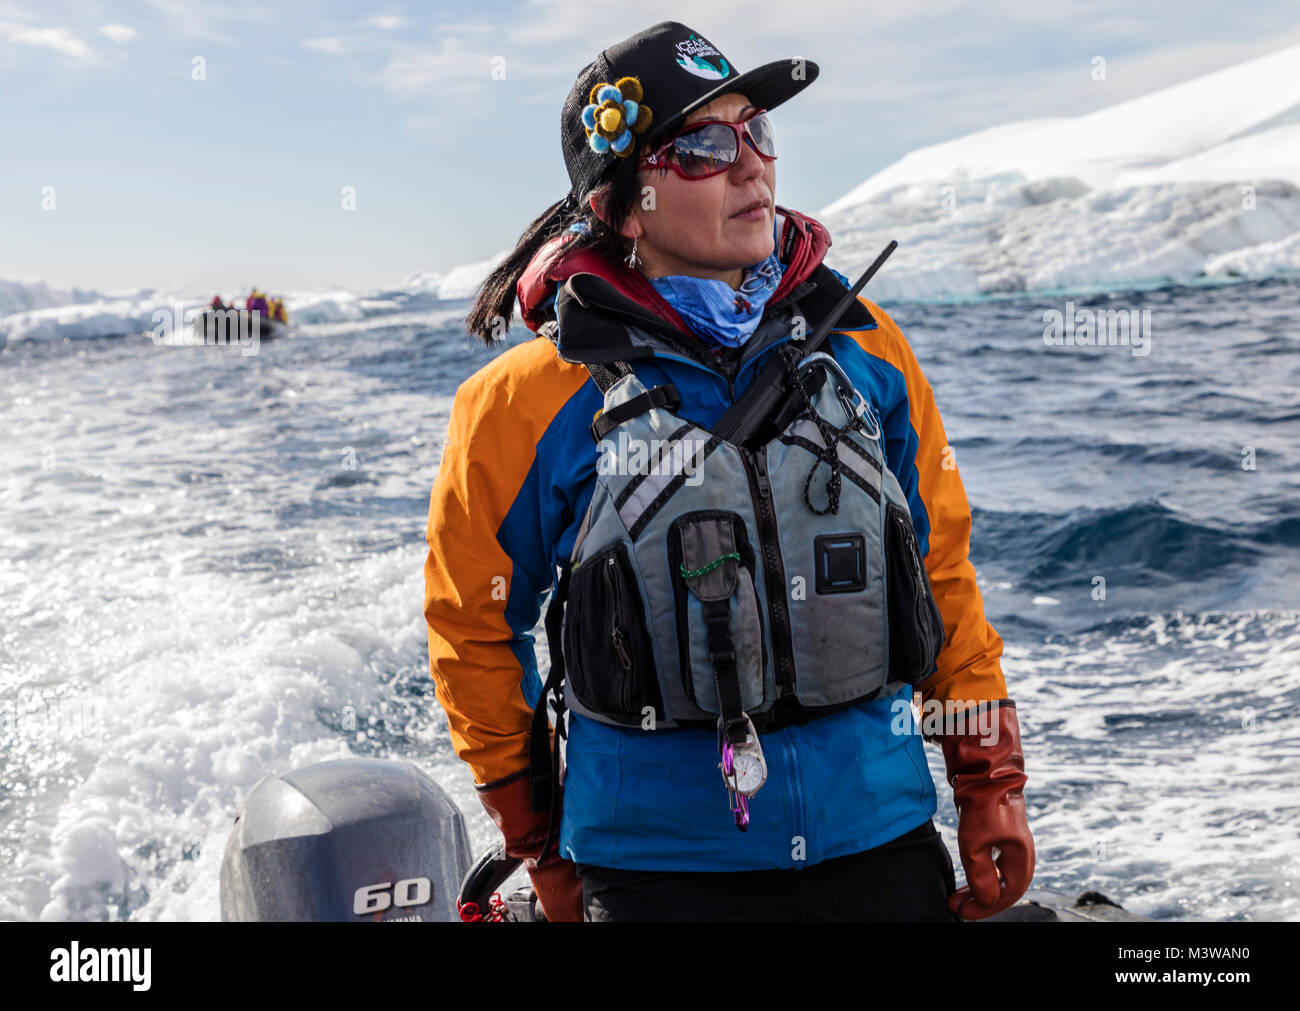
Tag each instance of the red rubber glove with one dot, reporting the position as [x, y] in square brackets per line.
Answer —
[987, 781]
[556, 882]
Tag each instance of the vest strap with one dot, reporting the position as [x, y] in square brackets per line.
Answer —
[665, 396]
[544, 768]
[606, 375]
[722, 654]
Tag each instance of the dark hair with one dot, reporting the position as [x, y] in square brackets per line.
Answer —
[494, 300]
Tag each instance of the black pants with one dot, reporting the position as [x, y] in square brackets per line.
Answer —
[908, 878]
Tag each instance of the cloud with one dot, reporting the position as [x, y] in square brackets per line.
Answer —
[332, 45]
[208, 21]
[385, 21]
[59, 39]
[120, 34]
[452, 66]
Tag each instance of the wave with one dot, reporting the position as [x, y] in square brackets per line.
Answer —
[1148, 542]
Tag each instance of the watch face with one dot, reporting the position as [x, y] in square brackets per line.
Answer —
[749, 773]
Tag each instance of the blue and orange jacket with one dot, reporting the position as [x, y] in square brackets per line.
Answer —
[517, 473]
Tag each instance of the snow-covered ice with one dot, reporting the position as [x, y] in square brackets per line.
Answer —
[1196, 182]
[1199, 182]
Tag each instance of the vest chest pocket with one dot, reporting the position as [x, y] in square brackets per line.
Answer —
[915, 625]
[719, 626]
[607, 651]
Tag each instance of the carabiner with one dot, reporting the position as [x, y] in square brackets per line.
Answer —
[857, 408]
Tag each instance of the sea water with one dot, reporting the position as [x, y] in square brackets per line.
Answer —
[211, 569]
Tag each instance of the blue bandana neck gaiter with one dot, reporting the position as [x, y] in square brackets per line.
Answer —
[716, 311]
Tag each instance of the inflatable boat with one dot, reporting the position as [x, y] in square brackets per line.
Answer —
[370, 839]
[228, 326]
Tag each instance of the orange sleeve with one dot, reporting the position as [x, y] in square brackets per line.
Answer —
[497, 418]
[970, 663]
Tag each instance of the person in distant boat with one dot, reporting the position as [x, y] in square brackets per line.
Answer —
[278, 312]
[257, 302]
[217, 303]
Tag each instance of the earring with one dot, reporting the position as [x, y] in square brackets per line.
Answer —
[632, 259]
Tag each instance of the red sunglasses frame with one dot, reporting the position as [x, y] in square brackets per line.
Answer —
[654, 158]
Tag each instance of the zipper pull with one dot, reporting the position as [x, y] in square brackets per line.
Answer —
[760, 469]
[616, 617]
[623, 656]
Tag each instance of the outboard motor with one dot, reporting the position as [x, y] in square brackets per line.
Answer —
[350, 840]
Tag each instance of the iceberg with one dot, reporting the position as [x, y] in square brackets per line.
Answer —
[1196, 182]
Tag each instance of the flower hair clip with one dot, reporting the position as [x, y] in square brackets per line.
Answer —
[614, 115]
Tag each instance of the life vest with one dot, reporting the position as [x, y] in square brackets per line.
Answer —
[712, 585]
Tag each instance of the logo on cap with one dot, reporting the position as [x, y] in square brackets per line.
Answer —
[691, 57]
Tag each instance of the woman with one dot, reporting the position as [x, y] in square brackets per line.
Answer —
[666, 280]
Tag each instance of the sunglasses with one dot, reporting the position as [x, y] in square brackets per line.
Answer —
[711, 146]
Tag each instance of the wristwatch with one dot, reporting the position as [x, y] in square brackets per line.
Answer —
[744, 770]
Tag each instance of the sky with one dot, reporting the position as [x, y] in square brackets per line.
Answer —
[179, 145]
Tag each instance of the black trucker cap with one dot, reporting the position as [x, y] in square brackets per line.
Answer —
[678, 71]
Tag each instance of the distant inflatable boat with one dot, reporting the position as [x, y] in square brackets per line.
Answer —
[236, 326]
